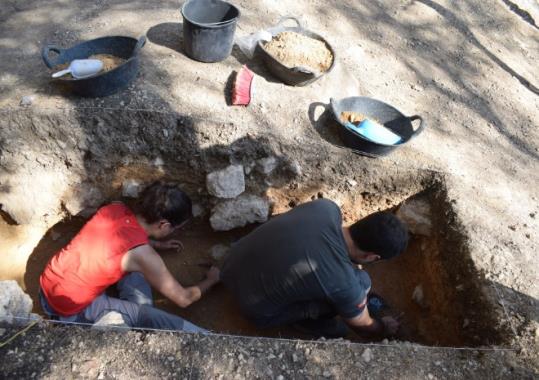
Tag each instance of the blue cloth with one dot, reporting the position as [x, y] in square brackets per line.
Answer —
[135, 304]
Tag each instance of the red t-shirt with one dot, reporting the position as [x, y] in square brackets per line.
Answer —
[91, 262]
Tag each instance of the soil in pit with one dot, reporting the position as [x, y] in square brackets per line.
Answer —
[436, 322]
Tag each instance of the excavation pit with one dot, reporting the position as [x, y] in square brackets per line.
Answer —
[448, 308]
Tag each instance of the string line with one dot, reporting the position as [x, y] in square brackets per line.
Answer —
[286, 340]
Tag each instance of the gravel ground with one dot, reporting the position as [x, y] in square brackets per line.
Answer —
[52, 352]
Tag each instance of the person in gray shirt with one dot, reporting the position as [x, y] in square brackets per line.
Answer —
[301, 269]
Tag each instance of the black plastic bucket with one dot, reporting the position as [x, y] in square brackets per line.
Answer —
[208, 29]
[103, 84]
[384, 114]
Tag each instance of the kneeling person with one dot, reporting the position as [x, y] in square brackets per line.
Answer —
[301, 268]
[114, 247]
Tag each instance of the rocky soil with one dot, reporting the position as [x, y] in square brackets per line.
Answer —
[70, 352]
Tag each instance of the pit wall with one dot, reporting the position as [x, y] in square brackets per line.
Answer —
[58, 163]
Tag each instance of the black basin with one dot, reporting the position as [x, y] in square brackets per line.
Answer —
[382, 113]
[105, 83]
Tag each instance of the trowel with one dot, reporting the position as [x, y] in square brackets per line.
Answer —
[81, 68]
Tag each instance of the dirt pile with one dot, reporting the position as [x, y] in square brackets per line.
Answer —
[110, 62]
[297, 50]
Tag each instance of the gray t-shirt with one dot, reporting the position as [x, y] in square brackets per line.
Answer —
[296, 257]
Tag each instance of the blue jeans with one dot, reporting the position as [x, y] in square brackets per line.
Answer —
[135, 304]
[306, 310]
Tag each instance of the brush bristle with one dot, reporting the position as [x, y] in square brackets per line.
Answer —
[242, 89]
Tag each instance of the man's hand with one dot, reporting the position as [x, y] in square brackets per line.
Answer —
[145, 260]
[168, 244]
[391, 325]
[213, 275]
[365, 324]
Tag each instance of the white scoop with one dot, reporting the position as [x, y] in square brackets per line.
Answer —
[81, 68]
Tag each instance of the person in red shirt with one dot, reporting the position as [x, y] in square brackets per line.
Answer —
[114, 247]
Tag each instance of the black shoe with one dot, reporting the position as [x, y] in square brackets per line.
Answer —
[324, 327]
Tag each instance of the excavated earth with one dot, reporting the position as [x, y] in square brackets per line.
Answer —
[466, 67]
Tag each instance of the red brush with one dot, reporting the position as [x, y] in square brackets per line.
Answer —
[242, 91]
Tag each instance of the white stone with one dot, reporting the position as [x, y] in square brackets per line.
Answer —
[295, 167]
[158, 162]
[418, 296]
[267, 165]
[14, 303]
[367, 355]
[351, 182]
[416, 214]
[197, 210]
[239, 212]
[226, 183]
[131, 188]
[219, 252]
[27, 100]
[111, 319]
[249, 168]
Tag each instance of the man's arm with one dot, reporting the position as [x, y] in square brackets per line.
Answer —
[167, 244]
[364, 324]
[144, 259]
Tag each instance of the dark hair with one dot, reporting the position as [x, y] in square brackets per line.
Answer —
[381, 233]
[161, 200]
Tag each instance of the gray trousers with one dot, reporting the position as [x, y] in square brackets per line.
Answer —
[135, 304]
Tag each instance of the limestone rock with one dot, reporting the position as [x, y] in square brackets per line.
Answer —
[249, 167]
[158, 162]
[416, 214]
[418, 296]
[14, 303]
[198, 210]
[367, 355]
[239, 212]
[111, 319]
[267, 165]
[131, 188]
[226, 183]
[295, 168]
[219, 252]
[27, 100]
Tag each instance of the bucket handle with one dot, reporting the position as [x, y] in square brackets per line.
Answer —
[284, 19]
[45, 55]
[421, 126]
[140, 44]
